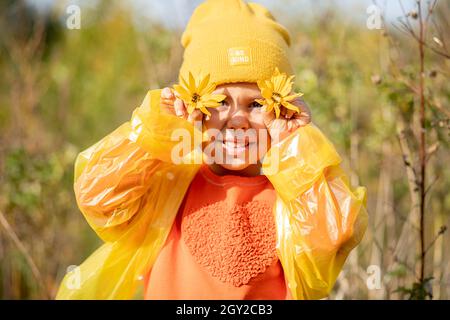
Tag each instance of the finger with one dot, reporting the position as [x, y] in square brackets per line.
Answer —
[196, 115]
[304, 117]
[180, 109]
[290, 113]
[167, 107]
[305, 113]
[268, 117]
[168, 102]
[302, 120]
[168, 110]
[297, 123]
[167, 93]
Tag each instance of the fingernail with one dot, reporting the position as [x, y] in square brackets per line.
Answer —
[167, 93]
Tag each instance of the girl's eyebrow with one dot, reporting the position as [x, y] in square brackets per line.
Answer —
[256, 96]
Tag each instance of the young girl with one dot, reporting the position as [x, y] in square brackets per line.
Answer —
[254, 206]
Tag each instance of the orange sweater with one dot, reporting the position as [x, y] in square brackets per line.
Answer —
[222, 244]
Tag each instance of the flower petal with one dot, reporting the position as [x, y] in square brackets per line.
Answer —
[278, 83]
[191, 107]
[184, 83]
[185, 94]
[287, 88]
[293, 96]
[277, 71]
[269, 107]
[211, 104]
[277, 110]
[213, 97]
[269, 84]
[266, 93]
[290, 106]
[203, 84]
[261, 84]
[209, 89]
[204, 110]
[261, 101]
[192, 86]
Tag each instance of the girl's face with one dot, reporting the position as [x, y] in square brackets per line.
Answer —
[239, 130]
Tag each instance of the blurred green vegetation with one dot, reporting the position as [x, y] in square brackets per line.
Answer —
[62, 90]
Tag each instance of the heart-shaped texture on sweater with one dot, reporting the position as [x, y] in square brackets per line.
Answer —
[234, 243]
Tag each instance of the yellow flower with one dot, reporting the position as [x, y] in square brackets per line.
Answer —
[275, 92]
[198, 95]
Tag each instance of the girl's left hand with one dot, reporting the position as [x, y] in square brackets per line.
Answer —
[288, 121]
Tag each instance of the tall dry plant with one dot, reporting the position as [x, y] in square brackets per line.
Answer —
[422, 118]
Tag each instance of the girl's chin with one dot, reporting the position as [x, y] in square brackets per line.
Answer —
[235, 166]
[248, 170]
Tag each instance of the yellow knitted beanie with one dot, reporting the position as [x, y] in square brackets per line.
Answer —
[234, 41]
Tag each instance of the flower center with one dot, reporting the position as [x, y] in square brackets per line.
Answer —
[195, 97]
[276, 96]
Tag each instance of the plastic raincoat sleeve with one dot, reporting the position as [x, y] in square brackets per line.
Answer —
[119, 185]
[319, 218]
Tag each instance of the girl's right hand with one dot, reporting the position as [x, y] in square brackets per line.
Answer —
[171, 104]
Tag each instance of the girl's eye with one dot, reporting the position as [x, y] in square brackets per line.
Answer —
[255, 104]
[223, 102]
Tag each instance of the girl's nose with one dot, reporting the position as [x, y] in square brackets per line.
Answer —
[238, 120]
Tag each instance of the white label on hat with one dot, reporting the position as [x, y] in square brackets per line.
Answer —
[239, 56]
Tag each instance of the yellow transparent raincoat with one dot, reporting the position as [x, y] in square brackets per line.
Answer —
[129, 191]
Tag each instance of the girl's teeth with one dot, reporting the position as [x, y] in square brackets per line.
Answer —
[234, 145]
